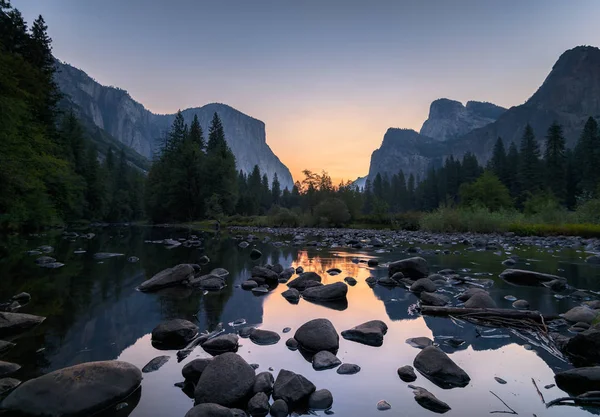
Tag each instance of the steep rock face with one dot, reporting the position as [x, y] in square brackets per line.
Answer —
[404, 149]
[113, 110]
[569, 95]
[449, 118]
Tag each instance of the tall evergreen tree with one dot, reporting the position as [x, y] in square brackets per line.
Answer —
[512, 173]
[498, 163]
[275, 190]
[587, 154]
[196, 134]
[177, 133]
[530, 175]
[410, 190]
[554, 158]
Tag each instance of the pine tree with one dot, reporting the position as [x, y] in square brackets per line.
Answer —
[410, 190]
[530, 174]
[254, 191]
[587, 154]
[220, 167]
[275, 190]
[554, 158]
[95, 192]
[512, 172]
[470, 168]
[498, 164]
[571, 180]
[196, 134]
[177, 134]
[265, 193]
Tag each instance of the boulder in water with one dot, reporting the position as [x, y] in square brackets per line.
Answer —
[317, 335]
[412, 267]
[174, 333]
[436, 366]
[168, 277]
[227, 380]
[84, 390]
[292, 388]
[370, 333]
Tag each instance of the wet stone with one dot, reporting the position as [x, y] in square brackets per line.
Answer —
[383, 405]
[348, 369]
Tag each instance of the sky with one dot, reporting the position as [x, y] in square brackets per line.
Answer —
[328, 78]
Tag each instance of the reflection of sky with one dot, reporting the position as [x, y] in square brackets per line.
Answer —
[357, 395]
[108, 319]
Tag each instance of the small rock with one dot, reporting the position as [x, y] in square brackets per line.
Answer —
[580, 314]
[423, 284]
[500, 380]
[264, 337]
[317, 335]
[419, 342]
[220, 344]
[249, 285]
[521, 304]
[348, 369]
[350, 281]
[292, 343]
[429, 401]
[369, 333]
[279, 408]
[325, 360]
[434, 364]
[174, 333]
[292, 388]
[155, 364]
[192, 370]
[383, 405]
[480, 300]
[259, 405]
[255, 254]
[433, 299]
[407, 373]
[264, 383]
[320, 400]
[292, 295]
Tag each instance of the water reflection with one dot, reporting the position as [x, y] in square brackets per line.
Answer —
[95, 313]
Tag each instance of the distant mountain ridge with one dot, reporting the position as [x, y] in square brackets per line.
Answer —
[449, 119]
[569, 95]
[113, 110]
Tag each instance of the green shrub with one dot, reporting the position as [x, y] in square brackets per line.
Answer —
[332, 212]
[487, 191]
[282, 217]
[589, 212]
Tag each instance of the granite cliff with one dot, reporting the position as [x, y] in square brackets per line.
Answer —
[114, 111]
[569, 95]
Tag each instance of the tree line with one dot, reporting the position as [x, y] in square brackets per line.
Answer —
[50, 171]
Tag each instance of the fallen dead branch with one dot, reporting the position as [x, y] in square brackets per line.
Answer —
[506, 405]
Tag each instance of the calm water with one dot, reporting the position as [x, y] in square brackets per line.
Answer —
[95, 313]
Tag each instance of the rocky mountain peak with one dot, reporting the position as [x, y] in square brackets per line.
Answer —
[449, 118]
[573, 85]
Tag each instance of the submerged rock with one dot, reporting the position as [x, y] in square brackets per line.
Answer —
[317, 335]
[370, 333]
[213, 410]
[292, 388]
[423, 284]
[168, 277]
[255, 254]
[383, 405]
[521, 304]
[330, 292]
[348, 369]
[436, 366]
[84, 390]
[470, 293]
[579, 380]
[264, 337]
[174, 333]
[15, 323]
[527, 278]
[155, 364]
[412, 267]
[433, 299]
[227, 380]
[305, 280]
[106, 255]
[5, 346]
[8, 368]
[419, 342]
[429, 401]
[7, 385]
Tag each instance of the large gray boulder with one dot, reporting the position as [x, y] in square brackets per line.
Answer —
[370, 333]
[423, 284]
[192, 370]
[168, 277]
[317, 335]
[292, 388]
[305, 280]
[436, 366]
[8, 368]
[579, 380]
[15, 323]
[329, 292]
[527, 278]
[77, 391]
[480, 300]
[208, 282]
[265, 273]
[221, 344]
[580, 315]
[412, 267]
[263, 383]
[174, 333]
[227, 380]
[279, 408]
[584, 347]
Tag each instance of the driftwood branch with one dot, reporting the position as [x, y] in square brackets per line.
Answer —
[575, 401]
[484, 313]
[538, 391]
[506, 405]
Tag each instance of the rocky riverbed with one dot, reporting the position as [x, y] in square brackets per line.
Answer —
[275, 321]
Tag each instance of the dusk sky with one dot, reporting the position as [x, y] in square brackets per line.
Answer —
[327, 77]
